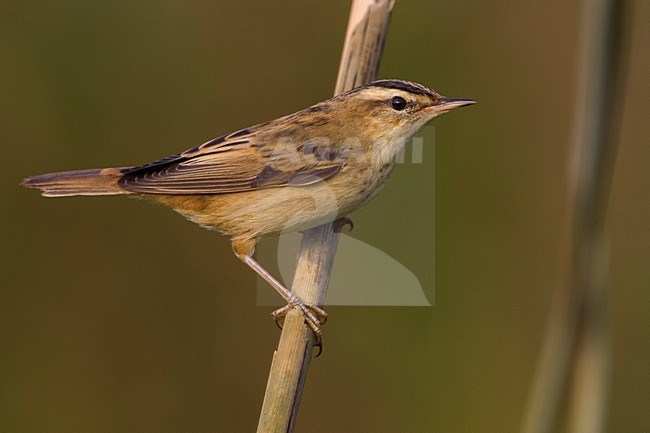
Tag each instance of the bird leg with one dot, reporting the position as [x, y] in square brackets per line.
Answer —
[314, 315]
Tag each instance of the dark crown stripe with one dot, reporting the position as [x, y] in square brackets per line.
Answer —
[401, 85]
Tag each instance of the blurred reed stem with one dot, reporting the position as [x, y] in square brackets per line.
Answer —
[362, 51]
[574, 365]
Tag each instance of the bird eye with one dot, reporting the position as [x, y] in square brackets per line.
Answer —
[398, 103]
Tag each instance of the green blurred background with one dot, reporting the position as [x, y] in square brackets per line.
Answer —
[118, 316]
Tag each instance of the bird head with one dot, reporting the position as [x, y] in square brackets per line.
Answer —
[389, 112]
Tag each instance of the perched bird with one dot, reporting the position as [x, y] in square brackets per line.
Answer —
[292, 173]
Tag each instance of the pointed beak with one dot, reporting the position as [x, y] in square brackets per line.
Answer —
[449, 103]
[446, 104]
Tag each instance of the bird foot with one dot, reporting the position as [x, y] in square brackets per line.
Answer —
[345, 221]
[314, 316]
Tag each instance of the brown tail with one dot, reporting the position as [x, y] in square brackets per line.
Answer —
[78, 182]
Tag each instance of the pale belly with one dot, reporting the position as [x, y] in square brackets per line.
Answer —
[271, 211]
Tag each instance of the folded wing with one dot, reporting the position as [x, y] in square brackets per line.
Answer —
[236, 163]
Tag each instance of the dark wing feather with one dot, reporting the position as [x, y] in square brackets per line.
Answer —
[226, 165]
